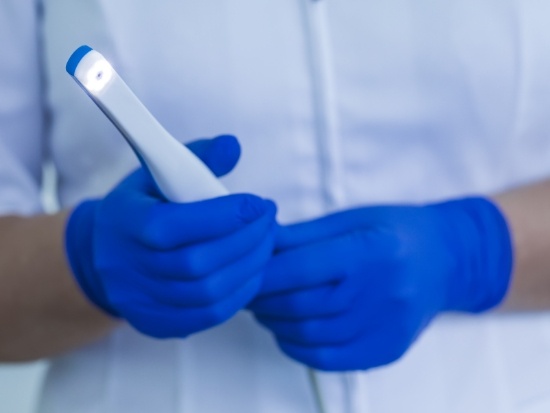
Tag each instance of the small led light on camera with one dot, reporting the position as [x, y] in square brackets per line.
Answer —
[98, 76]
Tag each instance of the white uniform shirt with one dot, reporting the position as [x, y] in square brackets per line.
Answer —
[336, 103]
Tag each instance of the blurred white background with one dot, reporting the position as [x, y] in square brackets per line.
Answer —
[19, 386]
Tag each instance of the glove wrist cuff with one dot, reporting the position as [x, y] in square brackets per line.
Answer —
[482, 240]
[79, 251]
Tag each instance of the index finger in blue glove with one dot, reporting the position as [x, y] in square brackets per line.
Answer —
[213, 288]
[305, 304]
[327, 227]
[201, 259]
[324, 262]
[165, 226]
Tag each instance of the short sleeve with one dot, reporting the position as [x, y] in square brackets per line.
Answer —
[21, 110]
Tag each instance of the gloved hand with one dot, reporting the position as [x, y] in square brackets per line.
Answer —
[354, 290]
[172, 269]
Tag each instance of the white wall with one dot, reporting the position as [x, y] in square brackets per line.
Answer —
[19, 387]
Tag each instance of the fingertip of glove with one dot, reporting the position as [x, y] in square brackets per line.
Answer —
[229, 142]
[271, 207]
[253, 207]
[226, 150]
[220, 154]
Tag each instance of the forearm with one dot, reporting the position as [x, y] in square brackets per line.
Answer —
[527, 210]
[42, 311]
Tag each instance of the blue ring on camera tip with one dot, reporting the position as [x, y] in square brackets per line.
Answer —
[76, 57]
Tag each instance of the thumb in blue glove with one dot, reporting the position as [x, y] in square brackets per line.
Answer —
[355, 289]
[172, 269]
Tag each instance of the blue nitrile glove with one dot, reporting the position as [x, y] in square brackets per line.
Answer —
[172, 269]
[354, 290]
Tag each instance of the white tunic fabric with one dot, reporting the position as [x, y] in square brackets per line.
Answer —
[336, 103]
